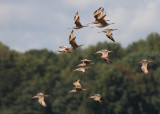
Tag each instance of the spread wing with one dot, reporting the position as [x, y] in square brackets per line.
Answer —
[107, 59]
[76, 16]
[77, 84]
[71, 36]
[110, 37]
[73, 43]
[102, 20]
[77, 22]
[101, 13]
[72, 40]
[144, 67]
[42, 102]
[96, 13]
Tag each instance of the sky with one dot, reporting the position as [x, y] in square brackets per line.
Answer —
[39, 24]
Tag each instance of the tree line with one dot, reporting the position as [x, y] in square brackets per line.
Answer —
[123, 85]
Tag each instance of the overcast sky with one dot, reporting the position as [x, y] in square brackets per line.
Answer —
[38, 24]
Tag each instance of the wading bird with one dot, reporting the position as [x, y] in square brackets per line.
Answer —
[102, 22]
[109, 33]
[40, 97]
[77, 90]
[72, 41]
[144, 65]
[104, 53]
[97, 14]
[85, 62]
[97, 97]
[77, 83]
[64, 49]
[78, 87]
[81, 69]
[77, 22]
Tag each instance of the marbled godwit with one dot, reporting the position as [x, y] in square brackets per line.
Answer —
[40, 97]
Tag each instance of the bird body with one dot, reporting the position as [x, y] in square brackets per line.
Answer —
[72, 41]
[97, 14]
[40, 97]
[85, 62]
[97, 97]
[77, 83]
[104, 53]
[109, 33]
[103, 22]
[81, 69]
[77, 22]
[64, 49]
[144, 65]
[77, 90]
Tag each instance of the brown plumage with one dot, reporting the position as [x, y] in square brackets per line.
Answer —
[77, 83]
[104, 53]
[40, 97]
[77, 90]
[101, 14]
[144, 65]
[72, 41]
[97, 14]
[97, 97]
[109, 33]
[103, 22]
[85, 62]
[64, 49]
[77, 22]
[81, 69]
[76, 17]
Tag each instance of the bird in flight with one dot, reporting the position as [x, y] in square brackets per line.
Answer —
[81, 69]
[109, 33]
[97, 97]
[97, 14]
[40, 97]
[104, 53]
[78, 88]
[72, 41]
[77, 22]
[144, 64]
[103, 22]
[64, 49]
[85, 62]
[77, 83]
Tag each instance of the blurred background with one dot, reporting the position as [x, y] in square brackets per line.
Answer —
[31, 32]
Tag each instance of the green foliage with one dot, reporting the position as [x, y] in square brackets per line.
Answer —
[123, 85]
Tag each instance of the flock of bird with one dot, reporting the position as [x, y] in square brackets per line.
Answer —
[102, 22]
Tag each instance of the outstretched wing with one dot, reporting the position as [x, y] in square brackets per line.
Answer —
[110, 37]
[73, 43]
[102, 20]
[96, 13]
[101, 13]
[71, 36]
[42, 102]
[77, 22]
[77, 83]
[107, 59]
[76, 16]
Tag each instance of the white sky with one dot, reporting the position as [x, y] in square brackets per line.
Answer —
[38, 24]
